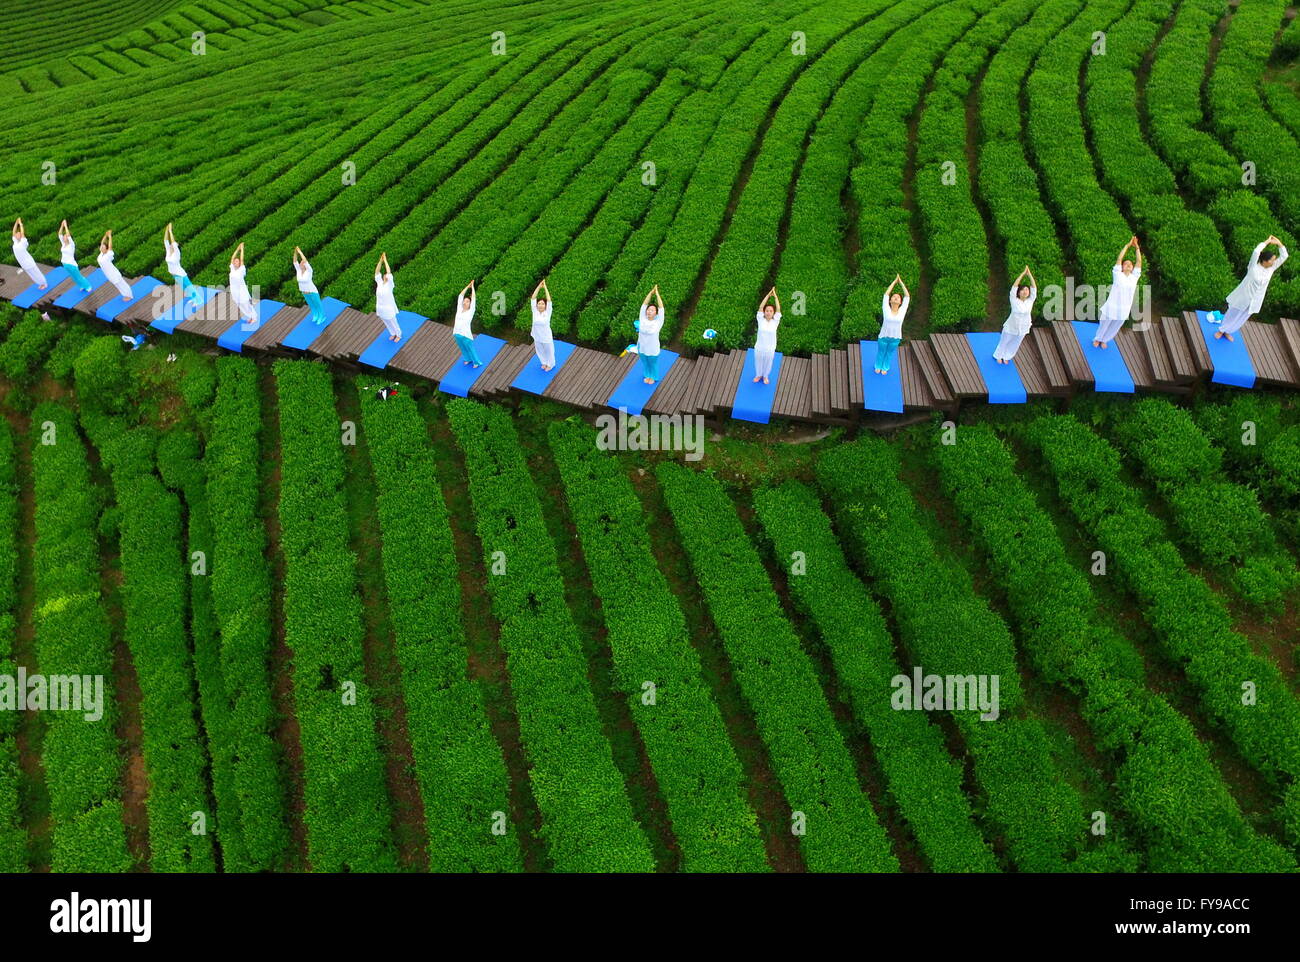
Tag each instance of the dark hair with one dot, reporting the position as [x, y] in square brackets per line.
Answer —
[541, 300]
[1266, 256]
[1023, 287]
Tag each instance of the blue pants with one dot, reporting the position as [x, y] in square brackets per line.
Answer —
[466, 345]
[74, 272]
[650, 364]
[188, 286]
[886, 347]
[317, 309]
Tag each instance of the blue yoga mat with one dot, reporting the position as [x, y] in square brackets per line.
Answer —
[1109, 372]
[458, 380]
[1002, 380]
[753, 402]
[33, 294]
[632, 393]
[880, 392]
[183, 310]
[75, 295]
[302, 336]
[533, 379]
[381, 349]
[142, 288]
[233, 337]
[1231, 360]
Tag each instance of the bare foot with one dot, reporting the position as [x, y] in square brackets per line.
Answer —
[1218, 334]
[546, 367]
[1228, 336]
[757, 379]
[766, 381]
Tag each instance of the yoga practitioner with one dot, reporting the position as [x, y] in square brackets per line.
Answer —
[466, 302]
[239, 286]
[768, 318]
[893, 308]
[306, 287]
[24, 259]
[105, 261]
[1119, 302]
[1248, 298]
[543, 343]
[1018, 321]
[172, 254]
[68, 254]
[648, 328]
[385, 305]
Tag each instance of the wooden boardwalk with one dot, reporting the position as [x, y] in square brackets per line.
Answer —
[1168, 354]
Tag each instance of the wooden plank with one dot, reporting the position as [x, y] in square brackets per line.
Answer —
[1043, 341]
[725, 395]
[1196, 343]
[1153, 343]
[276, 328]
[1180, 355]
[666, 398]
[792, 390]
[856, 395]
[1029, 365]
[1135, 358]
[213, 318]
[705, 372]
[821, 381]
[1076, 365]
[612, 371]
[958, 364]
[101, 296]
[839, 366]
[143, 310]
[1269, 354]
[927, 363]
[14, 280]
[1289, 328]
[916, 389]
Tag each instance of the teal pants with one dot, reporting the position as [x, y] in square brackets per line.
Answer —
[886, 347]
[74, 272]
[188, 286]
[317, 309]
[466, 345]
[650, 364]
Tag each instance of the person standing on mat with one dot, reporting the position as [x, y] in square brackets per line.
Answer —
[306, 287]
[68, 257]
[25, 260]
[466, 302]
[1019, 320]
[1248, 298]
[543, 342]
[105, 261]
[648, 328]
[172, 254]
[239, 286]
[893, 308]
[1119, 302]
[385, 304]
[768, 318]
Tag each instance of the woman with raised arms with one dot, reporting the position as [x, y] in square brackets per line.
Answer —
[25, 260]
[1248, 297]
[238, 287]
[1119, 302]
[385, 304]
[302, 270]
[1019, 321]
[893, 308]
[768, 318]
[68, 257]
[543, 342]
[172, 254]
[466, 303]
[105, 261]
[648, 328]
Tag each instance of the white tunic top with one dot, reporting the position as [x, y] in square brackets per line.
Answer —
[464, 316]
[68, 250]
[238, 286]
[385, 305]
[892, 325]
[105, 261]
[1119, 302]
[1249, 295]
[766, 340]
[647, 341]
[305, 284]
[1019, 320]
[25, 260]
[173, 257]
[542, 322]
